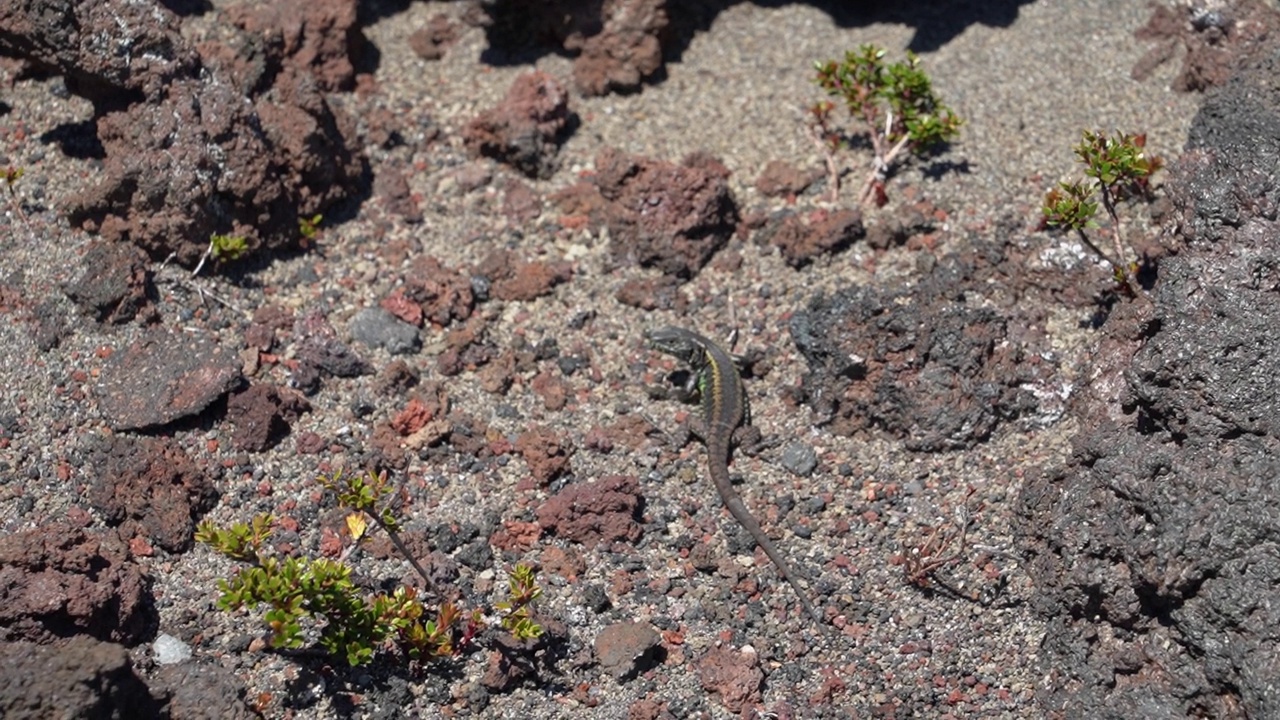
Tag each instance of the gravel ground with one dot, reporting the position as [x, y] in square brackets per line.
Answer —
[1025, 86]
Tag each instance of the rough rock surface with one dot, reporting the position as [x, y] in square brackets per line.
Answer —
[821, 233]
[1155, 550]
[59, 580]
[673, 217]
[262, 415]
[318, 36]
[185, 156]
[151, 488]
[626, 52]
[919, 362]
[114, 285]
[600, 512]
[524, 131]
[618, 43]
[200, 690]
[80, 678]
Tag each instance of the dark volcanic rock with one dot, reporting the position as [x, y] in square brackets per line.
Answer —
[164, 376]
[919, 362]
[627, 51]
[315, 36]
[200, 690]
[618, 43]
[262, 414]
[1156, 550]
[75, 38]
[114, 284]
[319, 352]
[801, 239]
[81, 678]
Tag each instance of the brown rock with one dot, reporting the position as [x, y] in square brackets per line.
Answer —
[525, 131]
[151, 487]
[185, 156]
[396, 378]
[59, 580]
[392, 186]
[399, 305]
[651, 293]
[520, 202]
[421, 409]
[444, 294]
[314, 37]
[552, 388]
[162, 377]
[517, 279]
[568, 564]
[673, 217]
[733, 675]
[67, 37]
[624, 649]
[780, 179]
[545, 452]
[114, 283]
[156, 192]
[262, 415]
[508, 666]
[78, 678]
[595, 513]
[626, 51]
[822, 232]
[430, 41]
[647, 709]
[497, 376]
[1214, 41]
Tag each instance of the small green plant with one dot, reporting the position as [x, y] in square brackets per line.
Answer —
[310, 227]
[1119, 166]
[11, 175]
[352, 624]
[226, 248]
[517, 617]
[894, 105]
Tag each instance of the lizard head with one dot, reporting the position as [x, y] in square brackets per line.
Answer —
[677, 342]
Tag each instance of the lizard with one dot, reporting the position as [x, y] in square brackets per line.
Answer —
[715, 380]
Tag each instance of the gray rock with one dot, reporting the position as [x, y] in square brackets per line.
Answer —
[800, 459]
[1156, 550]
[376, 327]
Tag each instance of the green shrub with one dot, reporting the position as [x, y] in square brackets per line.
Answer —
[1119, 166]
[354, 625]
[893, 106]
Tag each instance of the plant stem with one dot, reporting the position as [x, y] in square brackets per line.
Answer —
[829, 157]
[880, 170]
[404, 549]
[1109, 203]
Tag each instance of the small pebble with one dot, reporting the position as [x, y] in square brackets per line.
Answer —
[170, 650]
[800, 459]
